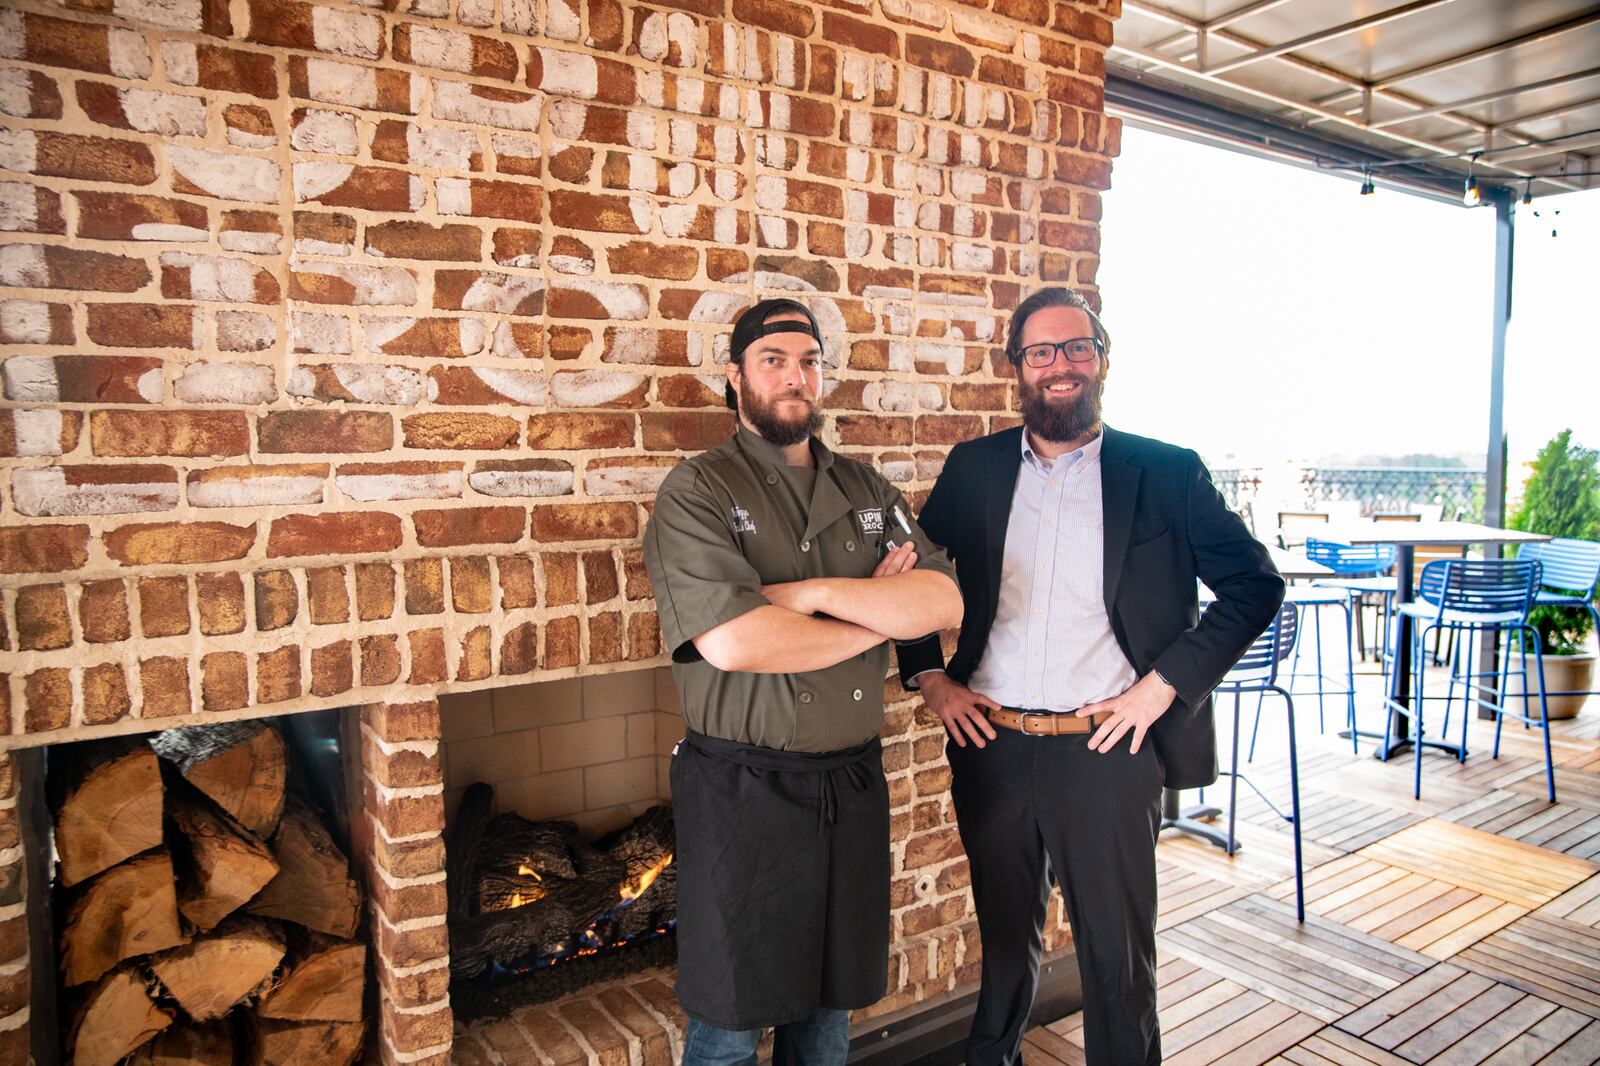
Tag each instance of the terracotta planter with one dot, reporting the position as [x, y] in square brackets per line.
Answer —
[1562, 673]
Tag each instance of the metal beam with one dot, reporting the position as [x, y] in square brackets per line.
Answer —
[1301, 106]
[1498, 48]
[1239, 14]
[1575, 145]
[1329, 34]
[1489, 98]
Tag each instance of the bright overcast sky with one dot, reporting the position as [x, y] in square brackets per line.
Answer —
[1261, 312]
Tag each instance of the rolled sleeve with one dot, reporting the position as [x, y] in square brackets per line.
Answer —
[930, 556]
[700, 577]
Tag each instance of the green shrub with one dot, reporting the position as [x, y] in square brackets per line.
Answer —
[1562, 499]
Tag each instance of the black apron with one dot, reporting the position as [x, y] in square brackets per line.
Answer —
[783, 880]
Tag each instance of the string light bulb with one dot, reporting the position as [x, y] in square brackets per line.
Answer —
[1470, 195]
[1527, 193]
[1367, 185]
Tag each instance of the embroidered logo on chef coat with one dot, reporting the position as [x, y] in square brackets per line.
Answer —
[742, 523]
[870, 519]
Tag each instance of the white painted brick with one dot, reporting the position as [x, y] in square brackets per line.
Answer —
[245, 331]
[368, 383]
[38, 432]
[346, 32]
[522, 482]
[455, 102]
[19, 150]
[280, 490]
[373, 285]
[44, 491]
[31, 379]
[24, 322]
[129, 55]
[170, 114]
[244, 384]
[228, 175]
[434, 485]
[326, 133]
[174, 14]
[591, 388]
[319, 334]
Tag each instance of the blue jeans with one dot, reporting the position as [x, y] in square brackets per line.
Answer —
[820, 1040]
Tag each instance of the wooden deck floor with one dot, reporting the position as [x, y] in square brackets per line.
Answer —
[1462, 928]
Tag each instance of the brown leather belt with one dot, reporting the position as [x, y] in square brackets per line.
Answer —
[1046, 724]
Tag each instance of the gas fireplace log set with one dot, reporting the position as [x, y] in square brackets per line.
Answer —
[205, 913]
[527, 895]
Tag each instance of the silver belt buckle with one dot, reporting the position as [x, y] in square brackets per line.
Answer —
[1025, 730]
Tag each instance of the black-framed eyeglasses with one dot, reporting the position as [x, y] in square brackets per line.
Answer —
[1077, 350]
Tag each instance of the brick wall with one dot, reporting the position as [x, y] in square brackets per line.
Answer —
[344, 344]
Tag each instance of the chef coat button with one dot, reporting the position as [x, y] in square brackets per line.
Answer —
[805, 697]
[849, 545]
[772, 479]
[805, 545]
[856, 695]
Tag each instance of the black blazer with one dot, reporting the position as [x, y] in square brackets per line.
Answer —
[1165, 525]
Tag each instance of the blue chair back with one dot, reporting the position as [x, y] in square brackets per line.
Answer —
[1480, 591]
[1569, 565]
[1347, 559]
[1258, 666]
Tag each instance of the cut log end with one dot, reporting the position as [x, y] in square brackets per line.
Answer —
[221, 968]
[278, 1043]
[113, 812]
[323, 982]
[227, 864]
[242, 766]
[188, 1045]
[313, 887]
[117, 1017]
[129, 910]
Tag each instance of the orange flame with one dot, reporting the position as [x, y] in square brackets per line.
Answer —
[527, 871]
[646, 879]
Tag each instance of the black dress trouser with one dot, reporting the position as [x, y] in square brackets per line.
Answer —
[1030, 805]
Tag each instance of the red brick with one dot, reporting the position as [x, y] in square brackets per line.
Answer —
[374, 591]
[562, 643]
[103, 609]
[166, 687]
[519, 649]
[424, 586]
[332, 669]
[605, 637]
[68, 155]
[105, 694]
[277, 599]
[428, 663]
[861, 36]
[235, 71]
[164, 606]
[560, 578]
[595, 211]
[398, 723]
[326, 431]
[54, 266]
[47, 700]
[644, 636]
[153, 543]
[278, 674]
[456, 526]
[43, 549]
[186, 433]
[517, 585]
[942, 56]
[354, 533]
[471, 589]
[475, 652]
[327, 597]
[685, 431]
[779, 16]
[599, 577]
[677, 262]
[221, 599]
[43, 623]
[580, 431]
[224, 681]
[418, 240]
[97, 379]
[141, 326]
[380, 659]
[585, 521]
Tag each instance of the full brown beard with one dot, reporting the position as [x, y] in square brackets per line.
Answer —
[1061, 421]
[773, 428]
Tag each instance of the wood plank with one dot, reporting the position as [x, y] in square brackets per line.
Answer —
[1548, 957]
[1580, 903]
[1551, 1032]
[1508, 869]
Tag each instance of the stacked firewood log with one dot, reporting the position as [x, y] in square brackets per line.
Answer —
[205, 913]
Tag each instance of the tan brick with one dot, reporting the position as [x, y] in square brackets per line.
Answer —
[103, 611]
[380, 659]
[517, 583]
[475, 662]
[164, 606]
[374, 591]
[42, 620]
[456, 430]
[326, 431]
[429, 665]
[179, 543]
[562, 643]
[278, 674]
[332, 669]
[224, 681]
[327, 595]
[166, 687]
[277, 599]
[221, 600]
[471, 590]
[585, 521]
[186, 433]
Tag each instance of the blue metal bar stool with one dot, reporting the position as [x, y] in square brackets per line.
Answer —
[1470, 597]
[1571, 572]
[1307, 598]
[1366, 571]
[1257, 671]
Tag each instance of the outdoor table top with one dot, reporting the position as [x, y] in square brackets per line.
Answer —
[1295, 564]
[1425, 533]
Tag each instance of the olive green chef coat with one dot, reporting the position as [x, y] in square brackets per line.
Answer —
[737, 517]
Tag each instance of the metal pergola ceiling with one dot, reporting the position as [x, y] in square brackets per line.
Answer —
[1416, 89]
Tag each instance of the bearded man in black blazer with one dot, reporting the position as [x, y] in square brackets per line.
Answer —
[1081, 681]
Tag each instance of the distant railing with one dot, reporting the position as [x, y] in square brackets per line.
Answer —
[1457, 492]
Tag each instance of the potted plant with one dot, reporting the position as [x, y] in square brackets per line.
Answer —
[1562, 499]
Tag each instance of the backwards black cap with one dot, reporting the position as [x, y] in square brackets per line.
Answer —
[753, 325]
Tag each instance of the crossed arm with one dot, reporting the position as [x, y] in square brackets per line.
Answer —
[820, 622]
